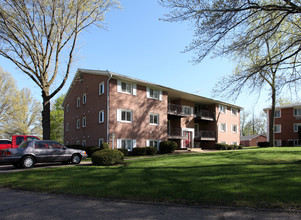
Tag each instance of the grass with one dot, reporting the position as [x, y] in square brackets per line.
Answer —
[269, 177]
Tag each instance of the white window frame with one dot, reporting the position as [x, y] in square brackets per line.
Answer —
[232, 128]
[78, 102]
[277, 125]
[84, 122]
[84, 143]
[234, 111]
[67, 126]
[153, 93]
[296, 142]
[77, 142]
[188, 110]
[296, 110]
[101, 116]
[278, 110]
[84, 98]
[126, 143]
[234, 143]
[221, 127]
[132, 90]
[296, 125]
[67, 108]
[197, 129]
[101, 88]
[126, 111]
[152, 117]
[100, 141]
[222, 109]
[278, 143]
[150, 143]
[77, 124]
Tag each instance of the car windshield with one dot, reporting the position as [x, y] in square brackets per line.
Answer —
[24, 144]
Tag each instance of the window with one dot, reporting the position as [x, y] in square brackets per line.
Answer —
[83, 142]
[101, 88]
[126, 144]
[125, 87]
[154, 119]
[277, 113]
[19, 140]
[222, 109]
[84, 123]
[296, 127]
[153, 94]
[277, 129]
[100, 141]
[297, 142]
[124, 115]
[234, 143]
[77, 124]
[234, 128]
[223, 127]
[84, 98]
[101, 117]
[234, 111]
[187, 110]
[153, 143]
[67, 108]
[278, 143]
[297, 112]
[78, 102]
[77, 142]
[67, 126]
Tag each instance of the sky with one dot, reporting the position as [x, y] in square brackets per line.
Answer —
[138, 44]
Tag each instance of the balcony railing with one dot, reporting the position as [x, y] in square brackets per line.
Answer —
[205, 115]
[175, 133]
[174, 109]
[205, 135]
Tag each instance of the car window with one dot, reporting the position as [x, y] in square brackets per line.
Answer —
[56, 145]
[23, 144]
[5, 142]
[41, 145]
[32, 138]
[19, 140]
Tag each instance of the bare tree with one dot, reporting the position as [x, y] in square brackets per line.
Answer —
[39, 37]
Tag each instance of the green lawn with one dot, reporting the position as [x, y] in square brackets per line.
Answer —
[269, 177]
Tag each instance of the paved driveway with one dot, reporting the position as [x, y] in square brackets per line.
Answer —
[17, 204]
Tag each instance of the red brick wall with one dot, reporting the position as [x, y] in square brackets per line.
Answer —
[254, 141]
[95, 102]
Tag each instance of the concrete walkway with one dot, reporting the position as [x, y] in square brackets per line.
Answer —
[20, 205]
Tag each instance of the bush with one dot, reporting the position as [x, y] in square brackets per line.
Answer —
[221, 146]
[166, 147]
[264, 144]
[107, 157]
[139, 151]
[124, 151]
[89, 149]
[240, 147]
[151, 150]
[104, 146]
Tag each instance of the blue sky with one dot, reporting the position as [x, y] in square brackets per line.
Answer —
[137, 44]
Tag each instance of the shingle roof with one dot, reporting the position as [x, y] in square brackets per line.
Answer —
[250, 137]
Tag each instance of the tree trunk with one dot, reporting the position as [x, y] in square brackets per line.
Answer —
[46, 116]
[271, 129]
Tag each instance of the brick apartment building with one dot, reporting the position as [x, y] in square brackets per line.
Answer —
[102, 106]
[287, 121]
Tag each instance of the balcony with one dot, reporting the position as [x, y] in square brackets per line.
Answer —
[205, 135]
[175, 133]
[205, 115]
[179, 110]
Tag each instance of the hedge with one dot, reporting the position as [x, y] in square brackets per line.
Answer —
[104, 146]
[221, 146]
[166, 147]
[141, 151]
[124, 151]
[89, 149]
[264, 144]
[107, 157]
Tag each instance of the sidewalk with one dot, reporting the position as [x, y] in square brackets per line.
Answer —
[17, 205]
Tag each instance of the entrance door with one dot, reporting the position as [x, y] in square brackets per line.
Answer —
[187, 143]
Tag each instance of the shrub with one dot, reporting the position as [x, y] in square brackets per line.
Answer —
[263, 144]
[221, 146]
[151, 150]
[124, 151]
[104, 146]
[90, 150]
[107, 157]
[139, 151]
[166, 147]
[240, 146]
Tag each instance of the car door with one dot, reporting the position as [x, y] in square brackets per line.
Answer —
[59, 152]
[42, 151]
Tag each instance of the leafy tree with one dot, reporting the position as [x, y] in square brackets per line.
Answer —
[26, 119]
[253, 125]
[39, 37]
[8, 99]
[57, 120]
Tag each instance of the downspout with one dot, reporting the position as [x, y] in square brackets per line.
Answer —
[108, 105]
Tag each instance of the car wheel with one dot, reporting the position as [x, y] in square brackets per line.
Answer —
[27, 162]
[75, 159]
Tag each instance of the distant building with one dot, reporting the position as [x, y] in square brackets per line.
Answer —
[252, 140]
[102, 106]
[287, 122]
